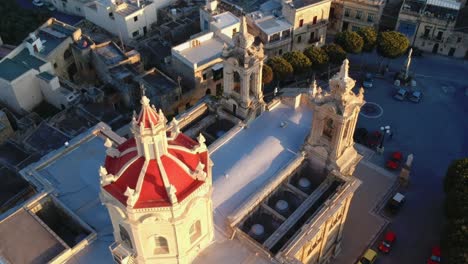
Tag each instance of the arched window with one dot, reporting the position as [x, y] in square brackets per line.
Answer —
[67, 54]
[237, 82]
[125, 237]
[328, 129]
[160, 245]
[195, 231]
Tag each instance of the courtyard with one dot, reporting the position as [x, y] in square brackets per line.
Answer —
[435, 131]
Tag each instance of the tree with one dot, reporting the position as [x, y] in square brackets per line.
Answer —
[456, 204]
[350, 41]
[267, 74]
[369, 36]
[392, 44]
[281, 68]
[457, 172]
[317, 56]
[298, 60]
[335, 53]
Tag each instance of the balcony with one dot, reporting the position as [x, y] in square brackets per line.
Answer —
[122, 254]
[277, 43]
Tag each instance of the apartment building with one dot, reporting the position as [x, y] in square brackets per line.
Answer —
[432, 26]
[355, 14]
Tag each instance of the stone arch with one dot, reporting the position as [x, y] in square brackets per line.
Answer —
[160, 245]
[117, 209]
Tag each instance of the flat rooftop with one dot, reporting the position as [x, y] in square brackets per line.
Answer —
[272, 25]
[303, 3]
[243, 165]
[12, 68]
[207, 51]
[73, 174]
[110, 53]
[53, 35]
[46, 138]
[224, 20]
[158, 84]
[16, 245]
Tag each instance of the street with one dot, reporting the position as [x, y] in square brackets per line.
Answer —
[434, 131]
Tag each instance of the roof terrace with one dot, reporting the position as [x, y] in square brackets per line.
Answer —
[199, 51]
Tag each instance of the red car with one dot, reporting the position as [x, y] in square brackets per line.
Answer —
[387, 242]
[435, 256]
[395, 160]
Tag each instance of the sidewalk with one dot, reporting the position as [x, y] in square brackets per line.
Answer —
[364, 223]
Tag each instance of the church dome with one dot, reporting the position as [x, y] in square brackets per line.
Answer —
[156, 167]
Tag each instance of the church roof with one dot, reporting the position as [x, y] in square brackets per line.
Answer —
[147, 115]
[156, 168]
[130, 167]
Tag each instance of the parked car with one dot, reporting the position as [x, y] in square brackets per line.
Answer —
[38, 3]
[368, 258]
[368, 81]
[387, 242]
[401, 94]
[435, 256]
[415, 96]
[396, 202]
[395, 161]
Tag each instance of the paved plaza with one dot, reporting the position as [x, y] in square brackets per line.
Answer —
[435, 131]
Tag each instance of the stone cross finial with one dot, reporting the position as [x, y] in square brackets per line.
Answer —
[144, 101]
[344, 69]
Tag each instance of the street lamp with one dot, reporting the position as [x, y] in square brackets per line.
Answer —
[385, 130]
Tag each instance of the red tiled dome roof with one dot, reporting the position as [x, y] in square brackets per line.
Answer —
[129, 167]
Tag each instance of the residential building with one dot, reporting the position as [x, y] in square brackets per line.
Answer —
[39, 68]
[52, 42]
[26, 80]
[274, 31]
[353, 15]
[432, 26]
[309, 19]
[199, 60]
[127, 19]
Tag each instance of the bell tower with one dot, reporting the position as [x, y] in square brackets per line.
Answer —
[157, 189]
[335, 115]
[242, 71]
